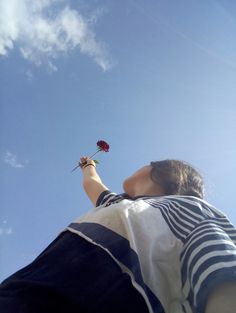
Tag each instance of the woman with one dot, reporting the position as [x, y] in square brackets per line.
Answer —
[158, 247]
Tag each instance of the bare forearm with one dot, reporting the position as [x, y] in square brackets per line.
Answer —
[92, 183]
[90, 172]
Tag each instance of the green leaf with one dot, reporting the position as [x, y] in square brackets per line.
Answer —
[96, 161]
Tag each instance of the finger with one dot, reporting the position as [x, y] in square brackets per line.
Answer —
[85, 158]
[82, 159]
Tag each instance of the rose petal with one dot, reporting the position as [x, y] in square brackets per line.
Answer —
[103, 145]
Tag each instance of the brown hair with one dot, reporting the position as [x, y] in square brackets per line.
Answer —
[177, 178]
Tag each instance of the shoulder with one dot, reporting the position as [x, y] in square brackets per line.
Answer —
[108, 197]
[191, 204]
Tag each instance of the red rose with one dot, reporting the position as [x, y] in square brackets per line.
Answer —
[103, 146]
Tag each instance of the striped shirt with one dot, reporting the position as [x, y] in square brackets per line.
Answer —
[175, 248]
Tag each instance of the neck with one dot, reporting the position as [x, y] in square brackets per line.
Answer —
[151, 189]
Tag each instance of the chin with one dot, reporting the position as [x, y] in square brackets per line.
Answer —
[127, 187]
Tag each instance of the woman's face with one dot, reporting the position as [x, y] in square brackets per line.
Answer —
[137, 183]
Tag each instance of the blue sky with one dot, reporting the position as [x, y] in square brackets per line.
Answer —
[155, 79]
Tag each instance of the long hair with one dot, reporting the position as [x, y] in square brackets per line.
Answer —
[177, 178]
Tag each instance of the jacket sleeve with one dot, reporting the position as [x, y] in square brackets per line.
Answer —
[208, 259]
[108, 197]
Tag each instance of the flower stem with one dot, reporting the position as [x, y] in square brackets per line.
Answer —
[95, 153]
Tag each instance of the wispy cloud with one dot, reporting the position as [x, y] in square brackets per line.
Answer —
[161, 21]
[29, 75]
[5, 231]
[13, 161]
[45, 29]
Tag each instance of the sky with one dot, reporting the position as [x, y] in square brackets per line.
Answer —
[155, 79]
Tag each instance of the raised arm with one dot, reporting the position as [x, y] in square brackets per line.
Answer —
[92, 183]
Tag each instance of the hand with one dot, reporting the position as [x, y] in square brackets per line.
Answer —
[86, 160]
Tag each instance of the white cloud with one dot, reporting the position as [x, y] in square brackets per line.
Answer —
[6, 231]
[29, 75]
[12, 160]
[45, 29]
